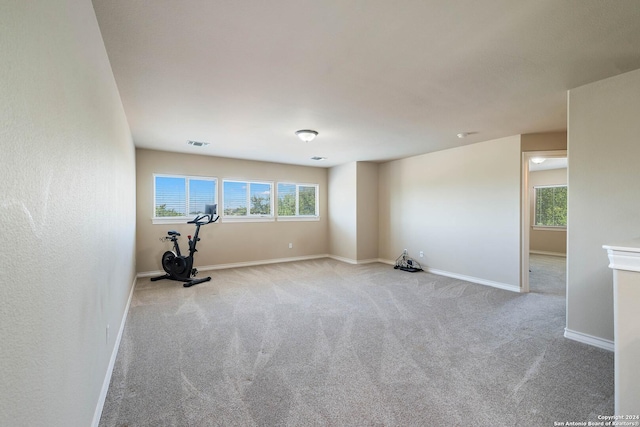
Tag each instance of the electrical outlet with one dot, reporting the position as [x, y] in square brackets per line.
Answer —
[404, 252]
[290, 245]
[421, 254]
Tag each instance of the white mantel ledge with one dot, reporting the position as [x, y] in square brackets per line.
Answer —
[624, 256]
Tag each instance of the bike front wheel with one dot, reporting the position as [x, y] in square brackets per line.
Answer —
[167, 261]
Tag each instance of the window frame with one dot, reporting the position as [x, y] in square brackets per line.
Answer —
[248, 217]
[297, 216]
[180, 219]
[535, 208]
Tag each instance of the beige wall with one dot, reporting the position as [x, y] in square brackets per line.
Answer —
[367, 210]
[544, 141]
[460, 206]
[547, 241]
[227, 242]
[353, 211]
[604, 198]
[343, 222]
[67, 211]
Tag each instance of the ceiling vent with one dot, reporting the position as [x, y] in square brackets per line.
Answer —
[197, 143]
[318, 158]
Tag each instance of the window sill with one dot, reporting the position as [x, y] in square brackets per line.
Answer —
[298, 218]
[247, 219]
[179, 220]
[182, 220]
[548, 228]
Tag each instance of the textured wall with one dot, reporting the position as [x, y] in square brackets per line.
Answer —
[353, 209]
[460, 206]
[227, 242]
[67, 213]
[543, 141]
[604, 194]
[367, 210]
[343, 221]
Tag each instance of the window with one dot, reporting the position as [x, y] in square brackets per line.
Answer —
[179, 197]
[551, 206]
[245, 199]
[297, 200]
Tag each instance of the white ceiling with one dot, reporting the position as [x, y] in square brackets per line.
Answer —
[377, 79]
[548, 163]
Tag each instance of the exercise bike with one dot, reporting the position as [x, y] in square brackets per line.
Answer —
[180, 267]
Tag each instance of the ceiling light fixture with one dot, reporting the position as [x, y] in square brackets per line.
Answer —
[465, 134]
[306, 135]
[537, 160]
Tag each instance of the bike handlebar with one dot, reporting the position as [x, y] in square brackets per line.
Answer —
[198, 219]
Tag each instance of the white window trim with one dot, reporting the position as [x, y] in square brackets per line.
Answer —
[297, 216]
[249, 217]
[167, 220]
[179, 219]
[549, 228]
[254, 218]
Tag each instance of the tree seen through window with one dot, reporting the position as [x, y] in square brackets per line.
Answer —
[297, 200]
[551, 206]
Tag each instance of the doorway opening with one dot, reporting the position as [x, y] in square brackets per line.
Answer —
[543, 223]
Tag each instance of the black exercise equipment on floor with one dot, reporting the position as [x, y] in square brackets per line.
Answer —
[180, 267]
[405, 263]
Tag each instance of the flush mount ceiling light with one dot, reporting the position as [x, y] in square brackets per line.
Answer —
[465, 134]
[537, 160]
[306, 135]
[197, 143]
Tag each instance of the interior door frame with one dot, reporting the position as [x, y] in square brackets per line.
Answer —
[525, 213]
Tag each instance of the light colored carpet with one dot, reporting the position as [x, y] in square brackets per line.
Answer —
[548, 275]
[323, 343]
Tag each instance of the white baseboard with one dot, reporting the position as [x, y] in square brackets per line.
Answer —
[499, 285]
[353, 261]
[112, 361]
[259, 262]
[272, 261]
[471, 279]
[367, 261]
[589, 339]
[240, 264]
[345, 260]
[548, 253]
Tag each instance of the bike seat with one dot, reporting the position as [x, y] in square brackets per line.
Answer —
[173, 233]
